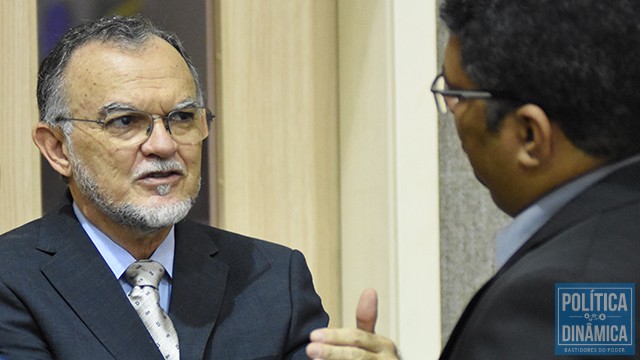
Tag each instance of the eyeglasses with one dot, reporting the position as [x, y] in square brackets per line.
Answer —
[187, 126]
[447, 99]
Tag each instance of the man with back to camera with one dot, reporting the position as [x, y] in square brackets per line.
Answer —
[115, 272]
[544, 95]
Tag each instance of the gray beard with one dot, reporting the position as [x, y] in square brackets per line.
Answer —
[138, 217]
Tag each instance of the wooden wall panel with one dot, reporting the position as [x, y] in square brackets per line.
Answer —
[277, 129]
[367, 158]
[389, 168]
[19, 159]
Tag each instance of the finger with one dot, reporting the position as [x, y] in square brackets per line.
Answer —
[367, 311]
[319, 351]
[353, 338]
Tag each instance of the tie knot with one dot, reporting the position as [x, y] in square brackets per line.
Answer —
[145, 273]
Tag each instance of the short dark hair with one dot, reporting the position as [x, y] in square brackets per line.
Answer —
[577, 59]
[128, 32]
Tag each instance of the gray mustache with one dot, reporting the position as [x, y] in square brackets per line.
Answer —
[159, 166]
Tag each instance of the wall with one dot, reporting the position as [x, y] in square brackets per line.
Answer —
[277, 129]
[389, 158]
[19, 161]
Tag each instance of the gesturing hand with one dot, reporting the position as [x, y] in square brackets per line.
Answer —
[361, 343]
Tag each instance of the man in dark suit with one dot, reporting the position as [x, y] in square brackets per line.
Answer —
[544, 95]
[123, 120]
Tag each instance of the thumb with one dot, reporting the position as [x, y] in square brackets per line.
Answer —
[367, 312]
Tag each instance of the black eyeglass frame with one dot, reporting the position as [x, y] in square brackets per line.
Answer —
[466, 94]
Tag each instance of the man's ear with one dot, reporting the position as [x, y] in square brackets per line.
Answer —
[50, 141]
[534, 136]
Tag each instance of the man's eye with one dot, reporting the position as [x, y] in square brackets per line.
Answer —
[124, 121]
[182, 116]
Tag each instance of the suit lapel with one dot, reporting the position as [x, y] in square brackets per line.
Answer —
[84, 280]
[199, 283]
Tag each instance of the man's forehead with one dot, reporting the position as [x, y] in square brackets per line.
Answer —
[100, 73]
[100, 48]
[96, 58]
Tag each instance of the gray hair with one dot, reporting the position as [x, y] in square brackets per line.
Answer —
[128, 32]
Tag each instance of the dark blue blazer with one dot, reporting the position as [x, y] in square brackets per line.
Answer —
[595, 238]
[233, 297]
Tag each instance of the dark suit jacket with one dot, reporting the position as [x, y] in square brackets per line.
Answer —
[593, 239]
[233, 297]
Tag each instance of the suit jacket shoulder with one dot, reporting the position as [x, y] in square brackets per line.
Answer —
[262, 292]
[233, 297]
[593, 239]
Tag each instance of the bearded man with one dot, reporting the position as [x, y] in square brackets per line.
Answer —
[115, 272]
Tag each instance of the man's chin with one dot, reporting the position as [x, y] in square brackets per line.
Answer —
[479, 179]
[163, 202]
[154, 213]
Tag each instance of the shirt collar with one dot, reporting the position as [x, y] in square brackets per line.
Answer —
[529, 221]
[116, 257]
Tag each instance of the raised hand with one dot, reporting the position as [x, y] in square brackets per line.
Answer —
[361, 343]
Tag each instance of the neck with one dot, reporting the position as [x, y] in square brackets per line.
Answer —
[141, 245]
[559, 172]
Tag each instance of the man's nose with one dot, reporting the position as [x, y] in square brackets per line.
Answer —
[160, 142]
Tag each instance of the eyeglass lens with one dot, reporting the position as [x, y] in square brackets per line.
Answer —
[186, 126]
[445, 103]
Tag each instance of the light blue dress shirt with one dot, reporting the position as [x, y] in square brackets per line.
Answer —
[118, 259]
[523, 226]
